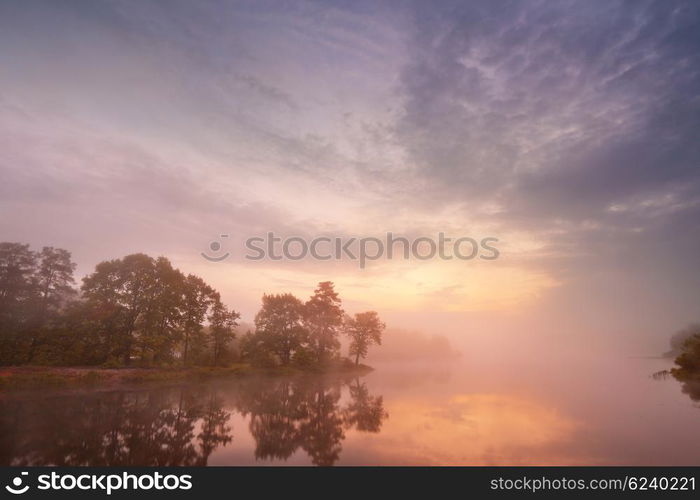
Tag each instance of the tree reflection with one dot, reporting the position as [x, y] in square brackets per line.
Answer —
[275, 411]
[306, 414]
[692, 389]
[364, 412]
[154, 428]
[184, 426]
[321, 429]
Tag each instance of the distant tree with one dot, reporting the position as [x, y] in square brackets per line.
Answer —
[688, 360]
[678, 339]
[222, 328]
[54, 281]
[279, 325]
[364, 329]
[54, 278]
[254, 349]
[324, 318]
[77, 336]
[17, 284]
[34, 287]
[17, 293]
[142, 309]
[133, 308]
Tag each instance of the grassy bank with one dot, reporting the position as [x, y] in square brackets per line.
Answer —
[31, 377]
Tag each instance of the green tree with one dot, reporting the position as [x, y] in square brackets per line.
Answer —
[123, 289]
[133, 308]
[160, 326]
[323, 316]
[279, 325]
[364, 329]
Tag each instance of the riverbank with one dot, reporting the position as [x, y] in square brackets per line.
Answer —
[31, 377]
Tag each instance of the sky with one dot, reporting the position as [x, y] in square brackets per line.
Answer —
[568, 130]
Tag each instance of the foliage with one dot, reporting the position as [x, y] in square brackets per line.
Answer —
[131, 310]
[139, 310]
[34, 288]
[678, 339]
[323, 320]
[182, 425]
[279, 326]
[688, 360]
[364, 329]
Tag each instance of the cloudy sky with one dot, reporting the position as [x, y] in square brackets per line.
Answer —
[568, 130]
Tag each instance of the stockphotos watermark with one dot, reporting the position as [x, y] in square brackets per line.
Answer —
[106, 483]
[361, 250]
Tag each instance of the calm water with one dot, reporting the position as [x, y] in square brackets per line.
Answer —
[545, 411]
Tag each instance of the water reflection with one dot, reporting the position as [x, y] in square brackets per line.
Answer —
[185, 425]
[287, 415]
[601, 412]
[477, 428]
[159, 428]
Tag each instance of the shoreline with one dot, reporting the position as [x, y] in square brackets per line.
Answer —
[57, 377]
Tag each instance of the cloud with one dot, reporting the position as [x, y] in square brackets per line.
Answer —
[567, 130]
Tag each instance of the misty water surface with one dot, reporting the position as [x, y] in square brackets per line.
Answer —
[607, 411]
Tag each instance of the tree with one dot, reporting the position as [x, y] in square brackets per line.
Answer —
[34, 287]
[160, 325]
[133, 308]
[17, 286]
[688, 360]
[54, 278]
[222, 324]
[141, 309]
[17, 293]
[123, 289]
[198, 298]
[364, 330]
[678, 339]
[53, 281]
[324, 319]
[279, 325]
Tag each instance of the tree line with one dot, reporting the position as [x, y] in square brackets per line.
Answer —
[141, 310]
[289, 331]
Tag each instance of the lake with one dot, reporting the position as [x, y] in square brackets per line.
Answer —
[544, 411]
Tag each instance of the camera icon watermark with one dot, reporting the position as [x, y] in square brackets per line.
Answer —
[215, 247]
[16, 488]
